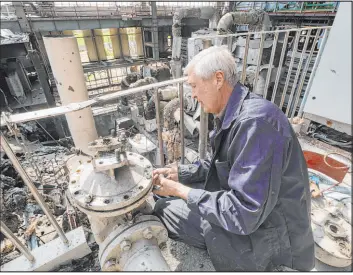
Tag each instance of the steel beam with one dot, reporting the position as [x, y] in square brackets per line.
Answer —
[155, 49]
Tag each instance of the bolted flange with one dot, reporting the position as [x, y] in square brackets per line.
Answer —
[125, 245]
[147, 233]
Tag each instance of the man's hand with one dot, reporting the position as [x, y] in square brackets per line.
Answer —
[167, 187]
[171, 171]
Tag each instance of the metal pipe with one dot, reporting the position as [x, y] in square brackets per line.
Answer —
[73, 107]
[243, 72]
[312, 75]
[259, 58]
[303, 75]
[182, 134]
[284, 47]
[20, 246]
[296, 40]
[297, 75]
[203, 133]
[65, 61]
[262, 32]
[158, 120]
[203, 119]
[274, 46]
[10, 154]
[145, 255]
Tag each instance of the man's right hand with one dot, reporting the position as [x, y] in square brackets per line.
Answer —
[170, 172]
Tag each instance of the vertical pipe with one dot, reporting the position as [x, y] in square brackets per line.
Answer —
[181, 97]
[203, 119]
[274, 46]
[259, 59]
[120, 43]
[313, 72]
[307, 37]
[155, 48]
[243, 73]
[66, 65]
[10, 154]
[280, 66]
[159, 129]
[302, 79]
[20, 246]
[290, 69]
[143, 41]
[93, 36]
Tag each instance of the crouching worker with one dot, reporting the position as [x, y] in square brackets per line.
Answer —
[249, 206]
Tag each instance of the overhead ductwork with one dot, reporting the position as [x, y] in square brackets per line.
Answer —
[209, 13]
[258, 20]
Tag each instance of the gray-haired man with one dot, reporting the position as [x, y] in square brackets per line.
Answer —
[250, 205]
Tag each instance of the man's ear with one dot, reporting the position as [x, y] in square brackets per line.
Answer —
[219, 79]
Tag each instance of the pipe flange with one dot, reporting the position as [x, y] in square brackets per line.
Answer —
[332, 238]
[122, 238]
[106, 195]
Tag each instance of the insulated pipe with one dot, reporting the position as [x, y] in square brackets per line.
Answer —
[182, 134]
[253, 18]
[158, 120]
[11, 155]
[64, 58]
[8, 234]
[203, 119]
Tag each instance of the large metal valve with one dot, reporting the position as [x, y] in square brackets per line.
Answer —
[114, 190]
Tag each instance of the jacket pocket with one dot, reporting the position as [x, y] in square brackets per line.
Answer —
[223, 169]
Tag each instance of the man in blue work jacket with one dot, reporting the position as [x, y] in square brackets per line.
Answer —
[249, 206]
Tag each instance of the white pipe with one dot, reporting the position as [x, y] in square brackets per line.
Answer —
[144, 255]
[65, 62]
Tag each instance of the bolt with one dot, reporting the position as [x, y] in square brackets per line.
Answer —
[110, 265]
[88, 198]
[147, 233]
[125, 245]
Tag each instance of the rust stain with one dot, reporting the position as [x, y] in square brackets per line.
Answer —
[316, 162]
[329, 123]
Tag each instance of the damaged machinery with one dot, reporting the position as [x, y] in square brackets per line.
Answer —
[114, 190]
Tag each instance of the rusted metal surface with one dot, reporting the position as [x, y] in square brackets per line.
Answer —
[316, 162]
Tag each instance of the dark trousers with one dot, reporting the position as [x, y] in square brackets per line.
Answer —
[228, 252]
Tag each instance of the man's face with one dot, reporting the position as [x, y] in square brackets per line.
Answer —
[205, 92]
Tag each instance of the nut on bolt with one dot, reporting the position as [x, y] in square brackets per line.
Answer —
[88, 198]
[147, 233]
[125, 245]
[110, 265]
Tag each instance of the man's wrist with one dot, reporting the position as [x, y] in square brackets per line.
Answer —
[183, 192]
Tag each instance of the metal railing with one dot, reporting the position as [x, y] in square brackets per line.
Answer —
[284, 61]
[105, 9]
[289, 6]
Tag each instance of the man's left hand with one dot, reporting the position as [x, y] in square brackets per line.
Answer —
[165, 187]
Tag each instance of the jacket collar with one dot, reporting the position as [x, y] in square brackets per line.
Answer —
[234, 104]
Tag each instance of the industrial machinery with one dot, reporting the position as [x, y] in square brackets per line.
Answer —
[114, 190]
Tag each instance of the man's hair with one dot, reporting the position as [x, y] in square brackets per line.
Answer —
[215, 58]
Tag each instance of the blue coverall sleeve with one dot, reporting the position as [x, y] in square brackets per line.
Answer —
[191, 173]
[255, 159]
